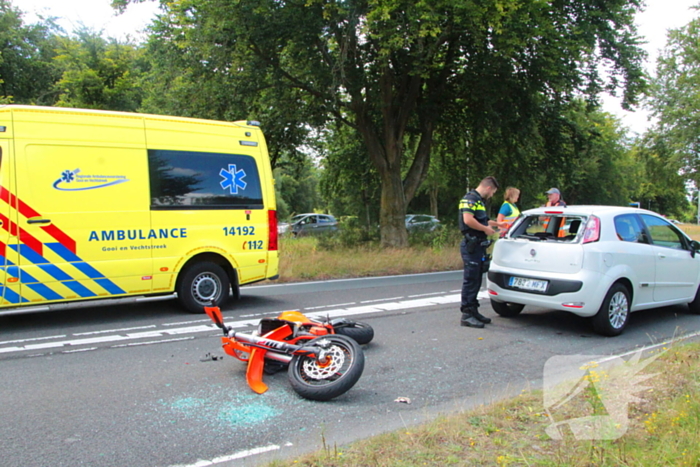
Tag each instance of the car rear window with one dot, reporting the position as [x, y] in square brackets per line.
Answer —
[550, 227]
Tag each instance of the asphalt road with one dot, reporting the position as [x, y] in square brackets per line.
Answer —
[132, 386]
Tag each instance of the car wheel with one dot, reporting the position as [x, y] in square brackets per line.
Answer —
[507, 310]
[694, 306]
[201, 284]
[614, 313]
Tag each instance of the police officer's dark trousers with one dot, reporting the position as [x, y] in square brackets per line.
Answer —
[472, 275]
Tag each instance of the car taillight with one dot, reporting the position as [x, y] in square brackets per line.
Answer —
[272, 230]
[592, 231]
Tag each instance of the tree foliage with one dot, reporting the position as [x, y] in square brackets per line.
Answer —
[98, 73]
[392, 69]
[27, 72]
[349, 181]
[297, 188]
[675, 98]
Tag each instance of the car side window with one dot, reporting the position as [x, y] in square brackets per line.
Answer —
[628, 229]
[323, 220]
[187, 180]
[663, 233]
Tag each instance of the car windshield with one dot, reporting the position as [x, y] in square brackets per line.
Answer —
[550, 227]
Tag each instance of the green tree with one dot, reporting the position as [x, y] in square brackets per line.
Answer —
[393, 68]
[98, 73]
[297, 187]
[675, 99]
[188, 78]
[349, 181]
[663, 186]
[27, 72]
[594, 162]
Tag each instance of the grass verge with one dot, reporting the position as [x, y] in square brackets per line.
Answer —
[663, 429]
[304, 259]
[301, 259]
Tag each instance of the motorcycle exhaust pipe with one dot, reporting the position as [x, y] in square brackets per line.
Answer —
[278, 357]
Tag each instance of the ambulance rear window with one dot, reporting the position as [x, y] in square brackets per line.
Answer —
[203, 180]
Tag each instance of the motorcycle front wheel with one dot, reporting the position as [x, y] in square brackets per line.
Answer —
[318, 381]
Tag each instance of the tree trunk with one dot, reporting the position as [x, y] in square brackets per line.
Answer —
[393, 211]
[433, 192]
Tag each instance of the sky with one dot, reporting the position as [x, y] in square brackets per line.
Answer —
[658, 17]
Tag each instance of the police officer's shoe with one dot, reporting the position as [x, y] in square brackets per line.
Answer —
[480, 317]
[470, 321]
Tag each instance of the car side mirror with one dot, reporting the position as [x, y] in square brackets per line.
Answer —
[694, 247]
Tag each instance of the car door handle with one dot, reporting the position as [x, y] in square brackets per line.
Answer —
[661, 255]
[38, 221]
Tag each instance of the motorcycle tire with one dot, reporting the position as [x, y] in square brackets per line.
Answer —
[314, 381]
[362, 333]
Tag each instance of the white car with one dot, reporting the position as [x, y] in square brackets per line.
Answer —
[601, 262]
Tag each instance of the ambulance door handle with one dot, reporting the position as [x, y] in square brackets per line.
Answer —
[38, 221]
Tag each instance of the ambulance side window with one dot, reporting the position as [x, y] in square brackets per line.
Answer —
[182, 180]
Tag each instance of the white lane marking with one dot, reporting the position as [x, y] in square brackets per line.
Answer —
[191, 329]
[325, 306]
[80, 350]
[652, 346]
[112, 338]
[134, 344]
[331, 313]
[238, 455]
[187, 322]
[114, 330]
[384, 299]
[18, 341]
[357, 279]
[425, 294]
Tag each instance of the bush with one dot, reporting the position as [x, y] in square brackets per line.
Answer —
[350, 234]
[437, 239]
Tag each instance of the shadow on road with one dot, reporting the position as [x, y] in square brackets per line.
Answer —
[563, 323]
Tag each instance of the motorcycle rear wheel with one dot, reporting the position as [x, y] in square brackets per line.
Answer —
[362, 333]
[322, 382]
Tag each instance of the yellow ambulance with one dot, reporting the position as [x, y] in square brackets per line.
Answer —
[102, 207]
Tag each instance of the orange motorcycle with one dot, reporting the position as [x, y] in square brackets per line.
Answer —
[322, 364]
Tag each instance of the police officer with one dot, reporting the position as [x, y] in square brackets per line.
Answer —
[475, 226]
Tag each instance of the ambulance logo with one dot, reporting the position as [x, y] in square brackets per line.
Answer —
[73, 180]
[233, 179]
[68, 176]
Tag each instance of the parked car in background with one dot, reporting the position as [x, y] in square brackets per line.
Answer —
[282, 228]
[421, 222]
[312, 224]
[602, 262]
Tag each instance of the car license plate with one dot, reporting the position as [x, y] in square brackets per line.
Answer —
[528, 284]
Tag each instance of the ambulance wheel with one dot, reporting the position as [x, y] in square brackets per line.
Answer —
[201, 284]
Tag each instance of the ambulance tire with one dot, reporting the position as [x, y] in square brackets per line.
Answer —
[235, 286]
[201, 284]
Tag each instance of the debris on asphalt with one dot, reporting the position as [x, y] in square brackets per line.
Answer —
[210, 358]
[403, 400]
